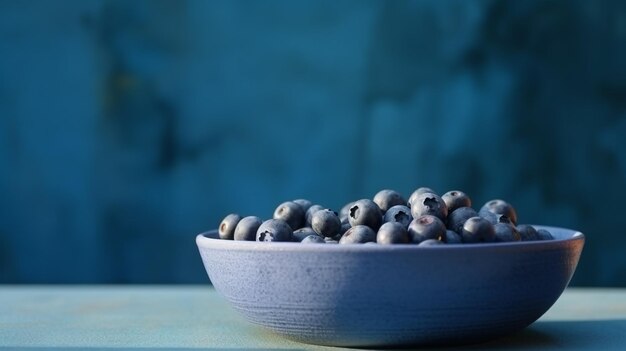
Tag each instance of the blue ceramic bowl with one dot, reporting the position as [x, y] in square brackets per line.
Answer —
[388, 295]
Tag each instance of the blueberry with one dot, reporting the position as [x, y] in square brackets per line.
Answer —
[392, 233]
[500, 207]
[489, 216]
[292, 213]
[477, 229]
[345, 225]
[455, 199]
[426, 227]
[386, 199]
[543, 234]
[417, 193]
[504, 219]
[494, 218]
[345, 211]
[246, 228]
[302, 233]
[313, 239]
[274, 230]
[429, 204]
[527, 232]
[506, 232]
[358, 234]
[452, 237]
[331, 241]
[365, 212]
[431, 242]
[399, 214]
[226, 229]
[304, 203]
[457, 218]
[326, 223]
[310, 212]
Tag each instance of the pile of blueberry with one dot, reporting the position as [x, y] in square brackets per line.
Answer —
[425, 219]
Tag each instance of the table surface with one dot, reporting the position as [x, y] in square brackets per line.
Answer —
[196, 317]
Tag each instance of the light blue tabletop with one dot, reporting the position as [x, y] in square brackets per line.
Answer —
[197, 318]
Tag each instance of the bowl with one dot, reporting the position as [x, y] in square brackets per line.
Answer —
[362, 295]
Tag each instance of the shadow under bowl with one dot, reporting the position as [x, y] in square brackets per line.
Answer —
[392, 295]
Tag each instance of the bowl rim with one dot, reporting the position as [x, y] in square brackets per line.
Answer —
[210, 240]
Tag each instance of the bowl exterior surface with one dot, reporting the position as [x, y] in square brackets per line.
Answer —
[375, 295]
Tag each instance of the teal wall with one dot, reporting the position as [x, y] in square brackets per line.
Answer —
[128, 127]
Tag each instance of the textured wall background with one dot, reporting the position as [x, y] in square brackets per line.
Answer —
[128, 127]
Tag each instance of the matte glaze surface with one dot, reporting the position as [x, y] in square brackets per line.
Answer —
[375, 295]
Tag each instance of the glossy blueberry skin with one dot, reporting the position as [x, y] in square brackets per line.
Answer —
[302, 233]
[365, 212]
[386, 199]
[455, 199]
[326, 223]
[227, 227]
[399, 214]
[304, 203]
[292, 213]
[392, 233]
[453, 237]
[488, 215]
[426, 227]
[246, 228]
[431, 242]
[429, 204]
[313, 239]
[274, 230]
[543, 234]
[417, 193]
[500, 207]
[527, 232]
[310, 212]
[477, 230]
[457, 218]
[358, 234]
[506, 232]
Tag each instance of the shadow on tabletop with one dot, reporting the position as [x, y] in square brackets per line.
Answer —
[542, 335]
[601, 334]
